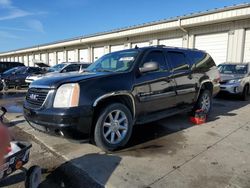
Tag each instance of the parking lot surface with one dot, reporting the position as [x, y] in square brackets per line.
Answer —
[167, 153]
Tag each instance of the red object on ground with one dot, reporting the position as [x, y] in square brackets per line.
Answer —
[198, 118]
[5, 147]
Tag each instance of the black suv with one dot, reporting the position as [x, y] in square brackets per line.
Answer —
[121, 89]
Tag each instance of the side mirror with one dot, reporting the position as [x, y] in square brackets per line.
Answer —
[149, 67]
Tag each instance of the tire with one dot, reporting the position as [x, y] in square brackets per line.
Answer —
[107, 126]
[204, 97]
[245, 93]
[33, 177]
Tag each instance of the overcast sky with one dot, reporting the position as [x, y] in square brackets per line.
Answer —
[31, 22]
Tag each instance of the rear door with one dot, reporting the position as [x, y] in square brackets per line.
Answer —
[181, 73]
[161, 94]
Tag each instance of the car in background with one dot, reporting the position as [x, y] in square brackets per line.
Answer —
[15, 77]
[235, 79]
[4, 66]
[59, 68]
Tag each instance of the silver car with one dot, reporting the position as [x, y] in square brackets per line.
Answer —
[59, 68]
[235, 79]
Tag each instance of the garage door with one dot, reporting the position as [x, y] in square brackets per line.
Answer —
[20, 59]
[12, 59]
[43, 58]
[71, 56]
[84, 55]
[116, 48]
[16, 59]
[98, 52]
[52, 61]
[31, 61]
[247, 47]
[214, 44]
[25, 59]
[37, 57]
[176, 42]
[60, 58]
[140, 44]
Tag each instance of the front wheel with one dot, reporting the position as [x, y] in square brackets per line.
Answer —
[113, 127]
[204, 101]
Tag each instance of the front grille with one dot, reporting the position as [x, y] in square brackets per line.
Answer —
[35, 97]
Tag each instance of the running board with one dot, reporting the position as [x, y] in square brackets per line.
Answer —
[163, 114]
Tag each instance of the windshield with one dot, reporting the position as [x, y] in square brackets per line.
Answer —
[114, 62]
[15, 70]
[56, 68]
[233, 69]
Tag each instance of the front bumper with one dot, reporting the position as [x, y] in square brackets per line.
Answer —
[234, 88]
[72, 122]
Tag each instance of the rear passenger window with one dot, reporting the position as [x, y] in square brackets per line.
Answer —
[158, 57]
[202, 61]
[178, 61]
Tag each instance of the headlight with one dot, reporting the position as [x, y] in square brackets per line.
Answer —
[234, 81]
[67, 96]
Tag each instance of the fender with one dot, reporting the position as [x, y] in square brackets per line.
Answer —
[203, 82]
[116, 93]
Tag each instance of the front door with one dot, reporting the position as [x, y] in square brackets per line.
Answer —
[160, 87]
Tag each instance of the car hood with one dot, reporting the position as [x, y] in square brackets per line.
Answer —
[55, 80]
[227, 77]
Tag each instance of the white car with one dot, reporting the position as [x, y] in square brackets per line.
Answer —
[59, 68]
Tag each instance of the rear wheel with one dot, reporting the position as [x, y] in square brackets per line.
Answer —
[245, 93]
[204, 101]
[113, 127]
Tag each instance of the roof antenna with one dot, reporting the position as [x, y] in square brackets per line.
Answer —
[136, 47]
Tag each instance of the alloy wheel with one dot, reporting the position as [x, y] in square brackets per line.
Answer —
[205, 102]
[115, 127]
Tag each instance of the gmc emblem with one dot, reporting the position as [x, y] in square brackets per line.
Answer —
[33, 97]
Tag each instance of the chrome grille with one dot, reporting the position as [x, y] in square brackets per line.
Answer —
[35, 97]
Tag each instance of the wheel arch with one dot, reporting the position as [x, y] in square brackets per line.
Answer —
[123, 97]
[206, 84]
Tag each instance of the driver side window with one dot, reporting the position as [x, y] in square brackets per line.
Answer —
[158, 57]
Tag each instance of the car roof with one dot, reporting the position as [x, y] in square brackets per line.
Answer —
[163, 47]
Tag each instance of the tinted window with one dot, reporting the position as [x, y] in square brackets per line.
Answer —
[201, 61]
[72, 68]
[196, 56]
[158, 57]
[178, 61]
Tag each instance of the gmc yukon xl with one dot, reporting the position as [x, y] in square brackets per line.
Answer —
[121, 89]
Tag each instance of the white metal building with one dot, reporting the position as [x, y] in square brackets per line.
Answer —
[224, 33]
